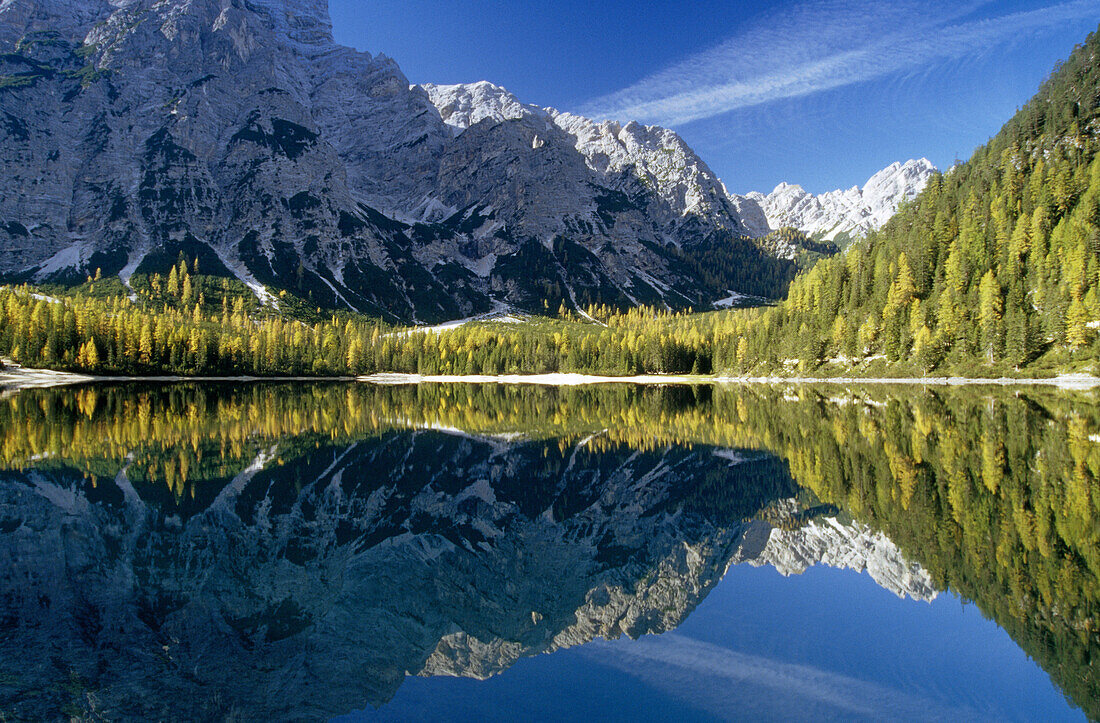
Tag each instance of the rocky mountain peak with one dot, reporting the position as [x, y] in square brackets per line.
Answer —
[463, 105]
[854, 211]
[624, 155]
[896, 183]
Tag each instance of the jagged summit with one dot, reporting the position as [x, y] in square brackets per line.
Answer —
[241, 134]
[465, 104]
[661, 156]
[854, 211]
[657, 156]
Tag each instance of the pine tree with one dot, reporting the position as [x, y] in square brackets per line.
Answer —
[926, 349]
[1077, 317]
[91, 356]
[173, 286]
[145, 346]
[991, 308]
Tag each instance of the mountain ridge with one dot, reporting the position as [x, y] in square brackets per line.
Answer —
[243, 136]
[852, 212]
[660, 153]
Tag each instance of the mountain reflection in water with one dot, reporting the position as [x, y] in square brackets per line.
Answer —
[294, 551]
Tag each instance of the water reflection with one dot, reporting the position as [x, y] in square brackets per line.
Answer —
[295, 551]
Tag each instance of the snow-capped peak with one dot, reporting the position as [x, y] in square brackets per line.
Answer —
[466, 104]
[622, 154]
[854, 211]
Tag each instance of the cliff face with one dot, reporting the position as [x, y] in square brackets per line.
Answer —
[238, 132]
[305, 586]
[630, 159]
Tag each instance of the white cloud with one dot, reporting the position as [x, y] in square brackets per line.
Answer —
[821, 45]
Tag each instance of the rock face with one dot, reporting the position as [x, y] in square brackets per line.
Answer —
[692, 199]
[239, 133]
[309, 583]
[853, 212]
[826, 541]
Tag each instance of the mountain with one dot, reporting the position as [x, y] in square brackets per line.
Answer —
[664, 161]
[240, 134]
[623, 154]
[853, 212]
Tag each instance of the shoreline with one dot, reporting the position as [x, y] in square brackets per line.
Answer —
[1066, 381]
[15, 378]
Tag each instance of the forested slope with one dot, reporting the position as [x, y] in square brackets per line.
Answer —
[996, 261]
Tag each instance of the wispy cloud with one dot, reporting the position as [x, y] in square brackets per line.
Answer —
[727, 684]
[822, 45]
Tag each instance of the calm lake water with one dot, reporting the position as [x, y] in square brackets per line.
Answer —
[361, 553]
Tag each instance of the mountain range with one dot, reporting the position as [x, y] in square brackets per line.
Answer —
[850, 213]
[239, 134]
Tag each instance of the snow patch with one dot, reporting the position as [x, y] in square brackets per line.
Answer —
[737, 299]
[497, 316]
[38, 297]
[734, 457]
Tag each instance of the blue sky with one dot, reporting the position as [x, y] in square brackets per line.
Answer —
[817, 92]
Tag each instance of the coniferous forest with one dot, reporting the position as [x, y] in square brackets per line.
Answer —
[993, 269]
[995, 263]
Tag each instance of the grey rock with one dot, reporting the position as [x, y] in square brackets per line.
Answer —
[240, 133]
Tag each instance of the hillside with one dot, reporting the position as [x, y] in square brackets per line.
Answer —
[995, 263]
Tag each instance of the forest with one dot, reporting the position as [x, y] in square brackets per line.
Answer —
[994, 264]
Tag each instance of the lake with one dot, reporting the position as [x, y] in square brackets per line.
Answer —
[319, 551]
